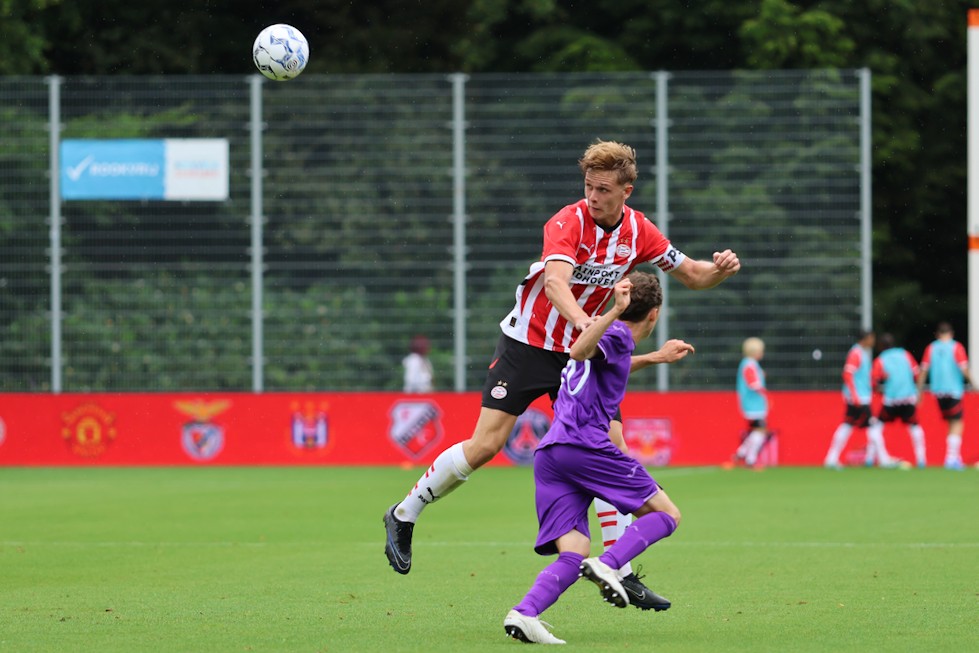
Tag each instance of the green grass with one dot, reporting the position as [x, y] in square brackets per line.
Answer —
[275, 559]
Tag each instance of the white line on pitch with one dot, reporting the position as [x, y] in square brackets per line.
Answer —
[493, 544]
[814, 545]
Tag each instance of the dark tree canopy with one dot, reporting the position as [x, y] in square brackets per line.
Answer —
[915, 50]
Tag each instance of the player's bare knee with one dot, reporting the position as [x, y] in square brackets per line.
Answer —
[477, 454]
[481, 448]
[574, 542]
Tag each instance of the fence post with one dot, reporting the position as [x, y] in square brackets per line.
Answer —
[257, 219]
[459, 225]
[866, 220]
[663, 213]
[54, 165]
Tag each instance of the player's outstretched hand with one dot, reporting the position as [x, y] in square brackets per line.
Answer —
[727, 262]
[674, 350]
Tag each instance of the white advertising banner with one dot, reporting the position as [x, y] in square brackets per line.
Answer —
[196, 169]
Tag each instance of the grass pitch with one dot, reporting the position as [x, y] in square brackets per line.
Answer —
[291, 559]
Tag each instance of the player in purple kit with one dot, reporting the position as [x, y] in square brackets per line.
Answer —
[576, 462]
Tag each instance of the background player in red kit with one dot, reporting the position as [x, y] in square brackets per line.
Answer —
[857, 394]
[588, 247]
[946, 364]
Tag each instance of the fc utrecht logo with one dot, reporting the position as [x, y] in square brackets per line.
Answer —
[525, 436]
[416, 426]
[88, 430]
[201, 438]
[650, 439]
[309, 426]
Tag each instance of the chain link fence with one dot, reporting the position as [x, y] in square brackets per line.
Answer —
[365, 209]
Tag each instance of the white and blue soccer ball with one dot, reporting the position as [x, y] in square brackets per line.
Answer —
[280, 52]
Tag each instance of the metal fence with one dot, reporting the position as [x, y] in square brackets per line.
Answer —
[366, 209]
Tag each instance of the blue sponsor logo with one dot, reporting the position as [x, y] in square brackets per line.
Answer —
[112, 169]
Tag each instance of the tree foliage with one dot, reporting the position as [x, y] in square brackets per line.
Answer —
[915, 51]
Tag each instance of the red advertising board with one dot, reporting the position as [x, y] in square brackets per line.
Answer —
[675, 428]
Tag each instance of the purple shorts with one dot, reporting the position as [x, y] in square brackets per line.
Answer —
[569, 478]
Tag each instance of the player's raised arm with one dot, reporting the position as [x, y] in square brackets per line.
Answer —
[670, 352]
[587, 343]
[701, 275]
[557, 287]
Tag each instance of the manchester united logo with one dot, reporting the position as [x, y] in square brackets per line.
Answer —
[88, 430]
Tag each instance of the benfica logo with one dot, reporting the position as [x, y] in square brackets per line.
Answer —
[525, 436]
[309, 427]
[88, 430]
[650, 439]
[201, 438]
[415, 426]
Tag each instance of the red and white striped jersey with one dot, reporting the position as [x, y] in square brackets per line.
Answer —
[600, 259]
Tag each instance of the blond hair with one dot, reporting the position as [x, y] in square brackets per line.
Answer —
[753, 347]
[609, 156]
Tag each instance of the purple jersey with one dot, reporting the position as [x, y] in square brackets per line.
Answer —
[576, 461]
[591, 392]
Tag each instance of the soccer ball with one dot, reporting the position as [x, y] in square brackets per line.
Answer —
[280, 52]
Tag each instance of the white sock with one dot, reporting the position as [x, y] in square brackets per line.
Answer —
[870, 454]
[840, 438]
[613, 525]
[447, 473]
[953, 447]
[742, 448]
[755, 441]
[918, 442]
[875, 437]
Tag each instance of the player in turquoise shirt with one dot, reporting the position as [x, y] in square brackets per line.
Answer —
[752, 400]
[946, 366]
[857, 393]
[894, 375]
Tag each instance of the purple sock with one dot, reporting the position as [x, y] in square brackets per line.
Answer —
[643, 532]
[550, 584]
